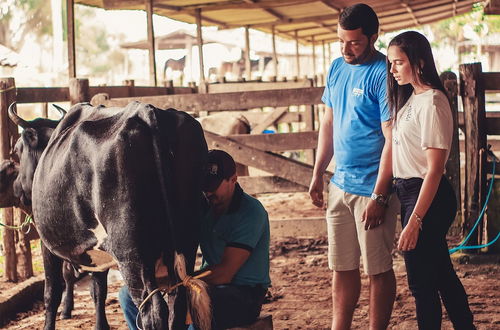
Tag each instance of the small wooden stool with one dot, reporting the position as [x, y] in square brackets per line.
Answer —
[263, 323]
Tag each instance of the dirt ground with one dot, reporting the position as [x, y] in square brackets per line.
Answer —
[300, 295]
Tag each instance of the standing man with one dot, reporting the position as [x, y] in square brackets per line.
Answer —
[361, 217]
[235, 246]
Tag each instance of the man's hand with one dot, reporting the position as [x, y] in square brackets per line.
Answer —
[373, 215]
[316, 192]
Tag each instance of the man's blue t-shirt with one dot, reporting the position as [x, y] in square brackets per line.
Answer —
[245, 225]
[357, 95]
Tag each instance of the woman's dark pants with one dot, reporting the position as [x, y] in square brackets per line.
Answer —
[429, 268]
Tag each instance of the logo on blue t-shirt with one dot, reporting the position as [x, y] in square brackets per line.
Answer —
[357, 91]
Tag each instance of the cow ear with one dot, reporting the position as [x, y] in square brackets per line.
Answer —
[30, 136]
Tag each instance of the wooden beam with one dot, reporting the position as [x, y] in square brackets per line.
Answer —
[79, 90]
[278, 141]
[248, 68]
[151, 42]
[70, 26]
[268, 184]
[229, 101]
[268, 10]
[314, 57]
[199, 38]
[491, 81]
[473, 99]
[406, 6]
[275, 54]
[450, 84]
[297, 56]
[277, 165]
[331, 4]
[269, 120]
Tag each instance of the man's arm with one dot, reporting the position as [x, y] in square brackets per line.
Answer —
[232, 260]
[374, 212]
[324, 154]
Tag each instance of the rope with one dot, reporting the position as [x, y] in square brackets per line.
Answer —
[462, 246]
[27, 221]
[7, 89]
[187, 282]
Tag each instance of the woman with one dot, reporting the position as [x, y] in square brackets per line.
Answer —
[422, 134]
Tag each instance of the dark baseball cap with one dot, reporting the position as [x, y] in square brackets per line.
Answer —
[220, 166]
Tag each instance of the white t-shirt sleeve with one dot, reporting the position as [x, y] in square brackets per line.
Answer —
[436, 123]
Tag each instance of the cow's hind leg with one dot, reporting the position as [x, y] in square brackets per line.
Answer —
[99, 291]
[69, 279]
[53, 287]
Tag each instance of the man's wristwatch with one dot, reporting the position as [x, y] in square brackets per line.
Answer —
[380, 199]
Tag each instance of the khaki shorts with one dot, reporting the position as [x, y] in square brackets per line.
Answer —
[348, 239]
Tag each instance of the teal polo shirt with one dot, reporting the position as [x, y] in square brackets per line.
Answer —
[245, 225]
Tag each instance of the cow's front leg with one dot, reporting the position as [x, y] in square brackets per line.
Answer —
[53, 286]
[99, 291]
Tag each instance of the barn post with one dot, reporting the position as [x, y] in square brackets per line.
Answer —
[248, 67]
[473, 99]
[151, 43]
[70, 25]
[323, 79]
[79, 90]
[7, 96]
[315, 78]
[203, 88]
[297, 57]
[450, 84]
[130, 83]
[275, 55]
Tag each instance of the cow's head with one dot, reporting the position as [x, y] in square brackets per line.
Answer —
[29, 148]
[8, 174]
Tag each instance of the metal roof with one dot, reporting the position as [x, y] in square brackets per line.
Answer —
[309, 19]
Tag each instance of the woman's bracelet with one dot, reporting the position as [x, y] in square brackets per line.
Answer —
[418, 219]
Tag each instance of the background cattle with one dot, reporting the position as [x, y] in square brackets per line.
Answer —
[130, 182]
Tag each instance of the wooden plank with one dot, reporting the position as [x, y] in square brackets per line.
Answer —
[269, 120]
[289, 117]
[280, 166]
[70, 27]
[42, 94]
[268, 184]
[199, 39]
[450, 84]
[79, 90]
[256, 86]
[473, 99]
[7, 96]
[492, 122]
[278, 141]
[229, 101]
[491, 81]
[151, 42]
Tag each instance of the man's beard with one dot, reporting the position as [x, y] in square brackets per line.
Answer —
[361, 58]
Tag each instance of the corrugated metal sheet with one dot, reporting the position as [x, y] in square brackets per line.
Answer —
[309, 18]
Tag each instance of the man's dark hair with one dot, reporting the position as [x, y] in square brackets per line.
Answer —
[359, 16]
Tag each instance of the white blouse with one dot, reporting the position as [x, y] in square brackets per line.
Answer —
[425, 121]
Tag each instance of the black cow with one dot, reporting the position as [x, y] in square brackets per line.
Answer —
[127, 181]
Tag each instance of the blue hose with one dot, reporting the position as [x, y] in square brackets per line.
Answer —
[470, 247]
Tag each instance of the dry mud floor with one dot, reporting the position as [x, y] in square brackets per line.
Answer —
[300, 295]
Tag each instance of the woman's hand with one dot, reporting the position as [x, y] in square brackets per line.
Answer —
[409, 235]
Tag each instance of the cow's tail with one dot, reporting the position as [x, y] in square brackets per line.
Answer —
[198, 298]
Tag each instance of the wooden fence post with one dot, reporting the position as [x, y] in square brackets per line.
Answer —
[450, 84]
[7, 96]
[473, 99]
[79, 90]
[131, 87]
